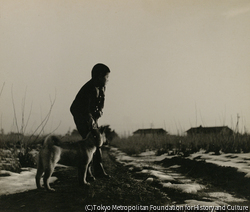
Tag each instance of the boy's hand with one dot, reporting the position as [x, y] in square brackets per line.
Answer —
[91, 122]
[98, 114]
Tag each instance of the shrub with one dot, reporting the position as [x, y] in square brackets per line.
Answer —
[136, 145]
[9, 161]
[184, 145]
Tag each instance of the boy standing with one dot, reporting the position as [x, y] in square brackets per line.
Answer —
[87, 109]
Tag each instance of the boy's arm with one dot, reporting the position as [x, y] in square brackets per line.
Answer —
[81, 106]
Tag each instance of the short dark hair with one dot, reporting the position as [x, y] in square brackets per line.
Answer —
[99, 70]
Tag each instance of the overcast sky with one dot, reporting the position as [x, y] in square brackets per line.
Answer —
[174, 64]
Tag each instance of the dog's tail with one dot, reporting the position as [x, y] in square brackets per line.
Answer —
[51, 140]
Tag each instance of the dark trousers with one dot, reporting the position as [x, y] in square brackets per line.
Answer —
[84, 126]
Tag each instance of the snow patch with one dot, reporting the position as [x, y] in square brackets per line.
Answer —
[240, 161]
[225, 197]
[158, 174]
[16, 183]
[203, 203]
[185, 188]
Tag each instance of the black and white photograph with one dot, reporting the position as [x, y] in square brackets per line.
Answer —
[124, 105]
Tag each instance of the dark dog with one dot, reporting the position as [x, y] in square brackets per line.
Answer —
[77, 154]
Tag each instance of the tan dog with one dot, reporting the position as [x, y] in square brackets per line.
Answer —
[77, 154]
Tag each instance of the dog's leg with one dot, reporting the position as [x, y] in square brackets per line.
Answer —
[85, 171]
[82, 174]
[39, 174]
[48, 172]
[83, 166]
[98, 166]
[90, 176]
[87, 167]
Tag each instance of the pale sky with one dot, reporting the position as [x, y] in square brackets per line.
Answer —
[174, 64]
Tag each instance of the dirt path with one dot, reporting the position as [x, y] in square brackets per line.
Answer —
[121, 189]
[187, 181]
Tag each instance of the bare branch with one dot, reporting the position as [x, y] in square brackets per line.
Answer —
[14, 109]
[1, 113]
[56, 128]
[48, 116]
[23, 111]
[1, 121]
[28, 117]
[2, 89]
[44, 121]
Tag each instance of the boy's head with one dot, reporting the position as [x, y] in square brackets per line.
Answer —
[100, 73]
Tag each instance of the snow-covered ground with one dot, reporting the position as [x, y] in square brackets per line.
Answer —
[170, 178]
[16, 183]
[240, 161]
[144, 164]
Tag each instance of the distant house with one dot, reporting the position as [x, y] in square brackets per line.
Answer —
[210, 130]
[150, 132]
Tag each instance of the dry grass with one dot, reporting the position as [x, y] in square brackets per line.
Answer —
[184, 144]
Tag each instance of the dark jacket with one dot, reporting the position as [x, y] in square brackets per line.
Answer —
[89, 101]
